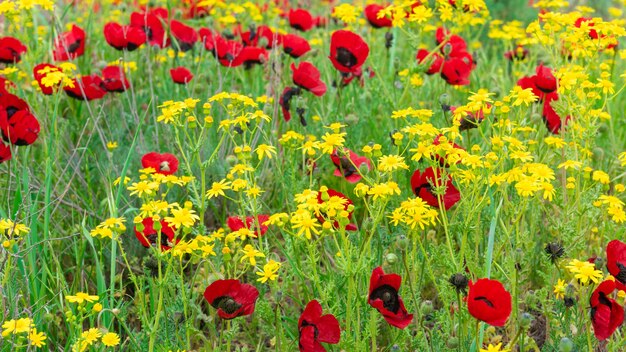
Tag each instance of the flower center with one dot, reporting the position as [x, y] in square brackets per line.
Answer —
[345, 57]
[164, 166]
[227, 304]
[389, 296]
[484, 299]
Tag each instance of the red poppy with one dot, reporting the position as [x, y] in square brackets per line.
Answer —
[5, 152]
[332, 193]
[616, 260]
[295, 45]
[249, 56]
[40, 71]
[423, 184]
[152, 25]
[87, 88]
[518, 54]
[12, 103]
[18, 128]
[301, 19]
[314, 328]
[195, 11]
[454, 45]
[348, 51]
[209, 38]
[488, 301]
[543, 83]
[348, 167]
[606, 314]
[456, 70]
[383, 296]
[227, 51]
[443, 159]
[593, 34]
[69, 45]
[371, 14]
[3, 85]
[124, 37]
[185, 36]
[165, 163]
[114, 79]
[307, 76]
[285, 101]
[149, 236]
[231, 298]
[181, 75]
[435, 60]
[11, 50]
[236, 223]
[267, 38]
[550, 117]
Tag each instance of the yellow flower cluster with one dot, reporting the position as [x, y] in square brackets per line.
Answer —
[108, 227]
[24, 326]
[585, 272]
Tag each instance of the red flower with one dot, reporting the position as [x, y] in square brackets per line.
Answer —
[543, 83]
[124, 37]
[488, 301]
[152, 25]
[87, 88]
[550, 117]
[40, 71]
[181, 75]
[454, 44]
[519, 53]
[5, 152]
[301, 19]
[19, 127]
[384, 297]
[348, 51]
[227, 51]
[12, 103]
[422, 185]
[11, 50]
[236, 223]
[267, 38]
[185, 36]
[616, 260]
[114, 79]
[231, 298]
[349, 167]
[165, 163]
[307, 76]
[285, 101]
[435, 61]
[249, 56]
[149, 236]
[371, 13]
[295, 45]
[209, 38]
[332, 193]
[314, 328]
[606, 314]
[456, 70]
[69, 45]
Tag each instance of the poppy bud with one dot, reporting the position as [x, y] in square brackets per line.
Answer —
[447, 49]
[599, 263]
[598, 154]
[352, 119]
[459, 281]
[525, 320]
[391, 258]
[444, 99]
[566, 345]
[452, 342]
[554, 250]
[231, 160]
[402, 242]
[426, 307]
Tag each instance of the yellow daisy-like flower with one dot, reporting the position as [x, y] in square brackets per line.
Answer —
[36, 338]
[250, 253]
[559, 289]
[182, 217]
[496, 348]
[82, 297]
[110, 339]
[217, 189]
[17, 326]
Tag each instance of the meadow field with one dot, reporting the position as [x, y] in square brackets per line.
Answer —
[312, 175]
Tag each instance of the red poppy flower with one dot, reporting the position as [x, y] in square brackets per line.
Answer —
[301, 19]
[149, 236]
[454, 44]
[236, 223]
[227, 52]
[114, 79]
[40, 71]
[349, 167]
[593, 34]
[3, 85]
[285, 101]
[5, 152]
[550, 117]
[249, 56]
[87, 88]
[231, 298]
[434, 59]
[518, 54]
[12, 103]
[152, 25]
[209, 38]
[69, 45]
[469, 121]
[195, 11]
[185, 36]
[314, 328]
[165, 163]
[371, 14]
[18, 128]
[606, 314]
[307, 76]
[11, 50]
[181, 75]
[348, 51]
[124, 37]
[616, 260]
[422, 185]
[295, 45]
[332, 193]
[543, 83]
[385, 298]
[267, 38]
[456, 70]
[488, 301]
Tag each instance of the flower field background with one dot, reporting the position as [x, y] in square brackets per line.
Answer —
[211, 175]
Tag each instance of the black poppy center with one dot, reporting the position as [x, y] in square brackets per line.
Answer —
[74, 46]
[346, 166]
[604, 300]
[315, 330]
[154, 238]
[621, 276]
[427, 187]
[185, 46]
[389, 296]
[345, 57]
[484, 299]
[227, 304]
